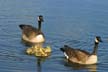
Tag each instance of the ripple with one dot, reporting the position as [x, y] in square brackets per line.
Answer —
[73, 23]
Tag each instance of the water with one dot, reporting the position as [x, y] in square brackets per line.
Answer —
[71, 22]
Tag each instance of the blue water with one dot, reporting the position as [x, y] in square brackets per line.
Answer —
[71, 22]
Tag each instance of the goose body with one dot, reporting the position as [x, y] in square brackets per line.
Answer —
[80, 56]
[32, 34]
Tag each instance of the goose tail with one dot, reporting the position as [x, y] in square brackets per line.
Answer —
[62, 49]
[21, 26]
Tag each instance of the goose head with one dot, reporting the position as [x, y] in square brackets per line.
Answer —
[98, 39]
[40, 18]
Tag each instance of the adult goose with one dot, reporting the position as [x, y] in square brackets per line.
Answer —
[31, 34]
[80, 56]
[34, 36]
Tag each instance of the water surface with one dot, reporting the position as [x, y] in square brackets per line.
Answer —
[71, 22]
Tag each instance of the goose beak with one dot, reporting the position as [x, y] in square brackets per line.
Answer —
[98, 39]
[101, 40]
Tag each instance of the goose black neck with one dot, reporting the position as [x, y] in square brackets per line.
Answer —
[39, 25]
[95, 48]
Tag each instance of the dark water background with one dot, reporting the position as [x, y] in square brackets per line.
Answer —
[71, 22]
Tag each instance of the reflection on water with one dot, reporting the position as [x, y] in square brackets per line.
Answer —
[39, 65]
[71, 22]
[39, 62]
[91, 68]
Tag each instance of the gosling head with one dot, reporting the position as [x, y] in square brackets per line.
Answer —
[40, 18]
[98, 39]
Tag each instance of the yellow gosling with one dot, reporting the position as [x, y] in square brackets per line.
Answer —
[47, 49]
[38, 50]
[29, 51]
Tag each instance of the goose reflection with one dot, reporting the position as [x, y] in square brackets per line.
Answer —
[39, 65]
[91, 68]
[39, 62]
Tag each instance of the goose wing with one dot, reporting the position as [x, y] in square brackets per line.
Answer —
[81, 55]
[29, 31]
[75, 55]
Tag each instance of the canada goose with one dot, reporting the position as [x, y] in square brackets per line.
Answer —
[31, 34]
[81, 56]
[34, 36]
